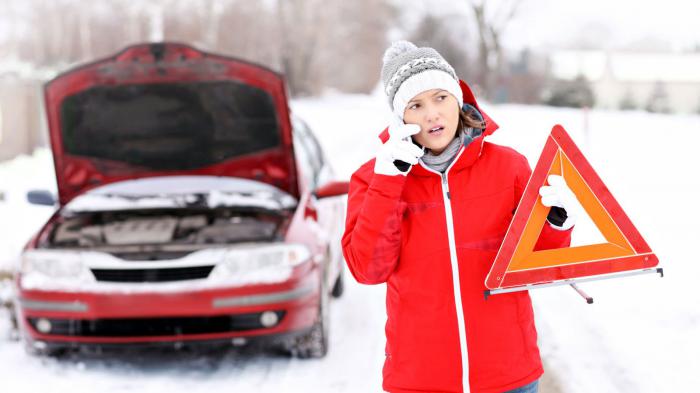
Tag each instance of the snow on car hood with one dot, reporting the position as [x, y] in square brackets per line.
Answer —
[181, 191]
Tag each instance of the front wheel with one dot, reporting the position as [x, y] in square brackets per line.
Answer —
[314, 344]
[339, 286]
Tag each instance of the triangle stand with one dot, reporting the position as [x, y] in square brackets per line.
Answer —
[573, 281]
[519, 266]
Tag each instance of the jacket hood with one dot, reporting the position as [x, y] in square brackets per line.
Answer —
[469, 98]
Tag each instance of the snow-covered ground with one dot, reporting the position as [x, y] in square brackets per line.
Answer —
[642, 334]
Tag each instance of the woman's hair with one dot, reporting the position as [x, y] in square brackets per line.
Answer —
[469, 120]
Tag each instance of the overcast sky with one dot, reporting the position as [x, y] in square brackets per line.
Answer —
[674, 21]
[543, 23]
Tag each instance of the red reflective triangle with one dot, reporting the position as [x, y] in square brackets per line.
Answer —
[517, 264]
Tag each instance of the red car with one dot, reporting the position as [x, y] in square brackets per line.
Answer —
[192, 206]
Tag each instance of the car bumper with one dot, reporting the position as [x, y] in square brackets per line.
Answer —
[195, 315]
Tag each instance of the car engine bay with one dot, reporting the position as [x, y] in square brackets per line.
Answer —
[164, 233]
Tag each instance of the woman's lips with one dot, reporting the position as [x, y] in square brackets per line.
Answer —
[436, 131]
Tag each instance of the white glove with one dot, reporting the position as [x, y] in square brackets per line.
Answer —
[557, 193]
[398, 147]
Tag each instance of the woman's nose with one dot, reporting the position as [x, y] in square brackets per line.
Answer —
[432, 114]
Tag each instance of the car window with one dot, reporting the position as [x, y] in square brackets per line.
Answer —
[303, 157]
[314, 146]
[309, 152]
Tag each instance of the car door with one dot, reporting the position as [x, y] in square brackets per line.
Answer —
[328, 212]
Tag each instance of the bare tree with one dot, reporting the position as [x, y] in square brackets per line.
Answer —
[440, 33]
[301, 25]
[313, 42]
[492, 20]
[353, 42]
[248, 30]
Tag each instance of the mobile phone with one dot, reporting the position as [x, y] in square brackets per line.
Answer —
[401, 165]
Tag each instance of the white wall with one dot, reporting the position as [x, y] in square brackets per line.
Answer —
[682, 97]
[21, 119]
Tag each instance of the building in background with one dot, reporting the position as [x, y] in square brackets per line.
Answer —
[655, 82]
[22, 120]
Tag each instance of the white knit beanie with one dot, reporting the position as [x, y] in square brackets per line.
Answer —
[408, 71]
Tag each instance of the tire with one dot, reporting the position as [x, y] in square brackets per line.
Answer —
[14, 334]
[33, 348]
[314, 343]
[52, 351]
[339, 286]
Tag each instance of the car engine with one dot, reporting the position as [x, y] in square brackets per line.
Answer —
[163, 234]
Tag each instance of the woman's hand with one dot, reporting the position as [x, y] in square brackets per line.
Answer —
[399, 147]
[558, 194]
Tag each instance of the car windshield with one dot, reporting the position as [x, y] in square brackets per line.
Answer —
[173, 126]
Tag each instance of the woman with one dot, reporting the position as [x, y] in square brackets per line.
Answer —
[427, 217]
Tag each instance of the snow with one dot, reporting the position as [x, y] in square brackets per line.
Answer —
[640, 335]
[19, 220]
[174, 191]
[351, 365]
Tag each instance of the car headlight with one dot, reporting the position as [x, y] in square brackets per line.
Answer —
[262, 263]
[53, 264]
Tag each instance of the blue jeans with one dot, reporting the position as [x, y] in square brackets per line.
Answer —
[529, 388]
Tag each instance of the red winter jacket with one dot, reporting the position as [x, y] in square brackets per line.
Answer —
[433, 238]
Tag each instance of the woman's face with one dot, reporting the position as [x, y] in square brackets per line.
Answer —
[437, 113]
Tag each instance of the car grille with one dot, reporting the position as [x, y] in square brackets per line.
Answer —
[148, 327]
[152, 275]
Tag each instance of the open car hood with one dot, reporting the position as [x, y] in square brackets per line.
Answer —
[168, 109]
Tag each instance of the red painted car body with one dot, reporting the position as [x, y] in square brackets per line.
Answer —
[192, 206]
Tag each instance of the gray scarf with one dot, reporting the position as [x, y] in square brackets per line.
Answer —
[441, 161]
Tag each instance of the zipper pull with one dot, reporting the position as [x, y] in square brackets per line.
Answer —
[447, 185]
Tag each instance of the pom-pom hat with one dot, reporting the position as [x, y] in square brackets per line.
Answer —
[408, 71]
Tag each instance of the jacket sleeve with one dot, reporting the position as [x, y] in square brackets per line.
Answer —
[372, 238]
[550, 238]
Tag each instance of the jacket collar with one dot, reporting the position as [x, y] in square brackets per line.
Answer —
[466, 157]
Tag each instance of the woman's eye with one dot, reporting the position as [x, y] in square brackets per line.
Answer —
[440, 98]
[414, 106]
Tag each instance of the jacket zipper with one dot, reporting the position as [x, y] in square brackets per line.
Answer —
[455, 272]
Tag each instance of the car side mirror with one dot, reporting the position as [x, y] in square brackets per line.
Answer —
[334, 188]
[41, 197]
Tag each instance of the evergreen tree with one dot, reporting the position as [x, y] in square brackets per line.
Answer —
[577, 93]
[658, 100]
[627, 102]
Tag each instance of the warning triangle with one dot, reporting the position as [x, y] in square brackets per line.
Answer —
[517, 263]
